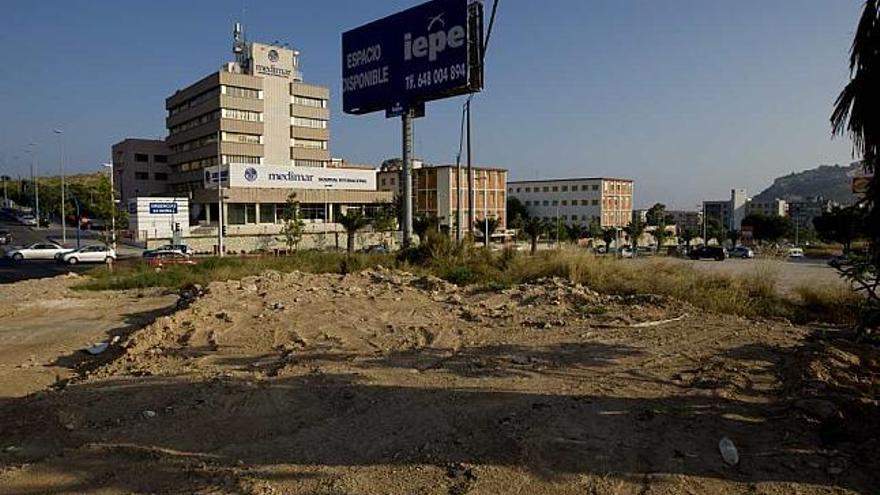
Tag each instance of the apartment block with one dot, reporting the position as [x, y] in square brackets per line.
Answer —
[729, 213]
[768, 208]
[437, 189]
[609, 200]
[140, 168]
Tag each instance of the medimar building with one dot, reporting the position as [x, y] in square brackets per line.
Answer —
[269, 132]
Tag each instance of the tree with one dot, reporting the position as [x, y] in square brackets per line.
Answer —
[660, 234]
[635, 229]
[857, 113]
[734, 236]
[534, 227]
[714, 230]
[609, 235]
[594, 229]
[575, 232]
[423, 223]
[353, 221]
[385, 219]
[772, 229]
[843, 225]
[516, 211]
[293, 226]
[688, 234]
[489, 225]
[656, 214]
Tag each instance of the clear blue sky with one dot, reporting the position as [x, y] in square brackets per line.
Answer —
[688, 97]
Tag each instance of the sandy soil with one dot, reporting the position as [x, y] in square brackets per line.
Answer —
[384, 383]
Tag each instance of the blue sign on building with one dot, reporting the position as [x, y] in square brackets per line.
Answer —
[163, 208]
[425, 53]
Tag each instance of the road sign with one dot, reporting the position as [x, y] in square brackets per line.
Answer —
[862, 184]
[425, 53]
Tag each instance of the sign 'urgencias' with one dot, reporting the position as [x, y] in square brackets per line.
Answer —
[425, 53]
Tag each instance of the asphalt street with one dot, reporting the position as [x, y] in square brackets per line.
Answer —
[23, 236]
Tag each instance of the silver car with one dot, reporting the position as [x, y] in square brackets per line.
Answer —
[38, 251]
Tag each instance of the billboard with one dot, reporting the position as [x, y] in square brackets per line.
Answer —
[280, 177]
[425, 53]
[163, 208]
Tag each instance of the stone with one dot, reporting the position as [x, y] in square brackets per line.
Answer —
[820, 409]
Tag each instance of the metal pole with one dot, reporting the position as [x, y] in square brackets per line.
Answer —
[486, 208]
[61, 169]
[470, 170]
[112, 206]
[219, 196]
[407, 178]
[458, 198]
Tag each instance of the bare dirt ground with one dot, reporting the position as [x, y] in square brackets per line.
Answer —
[385, 383]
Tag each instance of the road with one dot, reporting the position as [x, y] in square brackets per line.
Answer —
[14, 272]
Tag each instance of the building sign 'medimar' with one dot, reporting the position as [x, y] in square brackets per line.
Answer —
[280, 177]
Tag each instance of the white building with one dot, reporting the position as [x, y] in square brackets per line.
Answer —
[158, 218]
[577, 200]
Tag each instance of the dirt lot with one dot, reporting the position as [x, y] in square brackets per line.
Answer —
[384, 383]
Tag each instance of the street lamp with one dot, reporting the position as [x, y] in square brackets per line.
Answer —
[112, 207]
[34, 181]
[60, 135]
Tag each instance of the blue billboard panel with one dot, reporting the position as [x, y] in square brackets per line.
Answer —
[428, 52]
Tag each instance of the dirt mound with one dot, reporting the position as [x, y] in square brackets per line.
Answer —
[389, 382]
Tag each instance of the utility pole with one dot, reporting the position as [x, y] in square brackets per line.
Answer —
[486, 206]
[60, 135]
[470, 171]
[407, 123]
[35, 182]
[112, 208]
[219, 196]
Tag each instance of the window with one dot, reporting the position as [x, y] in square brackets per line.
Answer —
[141, 157]
[564, 217]
[305, 101]
[237, 137]
[160, 176]
[595, 187]
[555, 189]
[241, 213]
[250, 160]
[309, 123]
[200, 120]
[308, 163]
[245, 115]
[528, 203]
[585, 202]
[160, 158]
[546, 203]
[518, 189]
[382, 181]
[267, 212]
[546, 189]
[595, 202]
[564, 202]
[528, 189]
[555, 202]
[309, 144]
[238, 92]
[564, 188]
[510, 190]
[142, 176]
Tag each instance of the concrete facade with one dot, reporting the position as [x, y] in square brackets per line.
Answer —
[578, 200]
[140, 168]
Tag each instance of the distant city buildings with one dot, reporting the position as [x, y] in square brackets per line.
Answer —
[729, 213]
[610, 200]
[140, 168]
[772, 208]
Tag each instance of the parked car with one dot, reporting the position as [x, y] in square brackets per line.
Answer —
[839, 261]
[176, 248]
[795, 252]
[159, 259]
[37, 251]
[625, 252]
[716, 253]
[88, 254]
[741, 252]
[28, 220]
[5, 237]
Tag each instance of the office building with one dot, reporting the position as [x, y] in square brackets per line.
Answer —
[140, 168]
[264, 133]
[686, 219]
[436, 189]
[768, 208]
[577, 200]
[729, 213]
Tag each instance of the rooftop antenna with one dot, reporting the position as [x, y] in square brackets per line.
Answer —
[239, 45]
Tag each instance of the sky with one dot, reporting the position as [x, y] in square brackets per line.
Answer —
[690, 98]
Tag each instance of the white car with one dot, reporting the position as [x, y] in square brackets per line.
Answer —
[37, 251]
[88, 254]
[28, 220]
[795, 253]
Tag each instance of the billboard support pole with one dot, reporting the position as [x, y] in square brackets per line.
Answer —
[470, 171]
[406, 120]
[219, 195]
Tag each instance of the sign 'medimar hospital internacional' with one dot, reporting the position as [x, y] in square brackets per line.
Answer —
[398, 63]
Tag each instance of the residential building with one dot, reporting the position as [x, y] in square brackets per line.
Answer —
[436, 190]
[140, 168]
[730, 212]
[264, 133]
[577, 200]
[686, 219]
[769, 208]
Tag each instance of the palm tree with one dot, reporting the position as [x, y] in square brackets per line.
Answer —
[660, 234]
[609, 235]
[635, 229]
[575, 232]
[857, 111]
[353, 221]
[423, 223]
[533, 227]
[489, 225]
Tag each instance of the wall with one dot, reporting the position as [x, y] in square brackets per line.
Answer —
[236, 244]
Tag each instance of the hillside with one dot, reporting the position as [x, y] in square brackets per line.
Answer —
[832, 182]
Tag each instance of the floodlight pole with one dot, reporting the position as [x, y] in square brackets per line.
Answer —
[407, 121]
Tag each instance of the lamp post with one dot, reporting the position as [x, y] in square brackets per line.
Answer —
[34, 181]
[112, 207]
[219, 195]
[60, 135]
